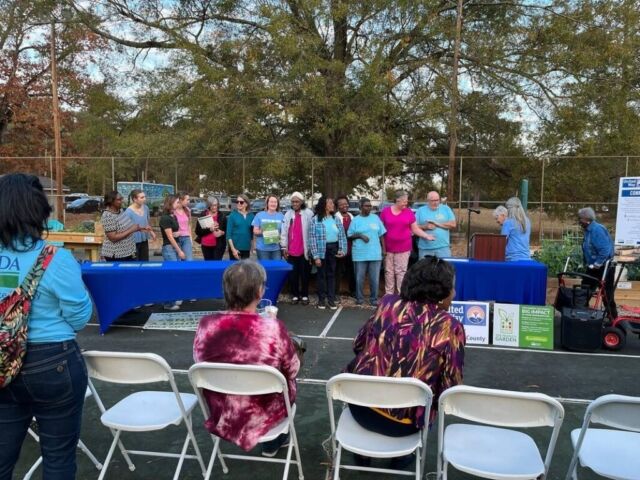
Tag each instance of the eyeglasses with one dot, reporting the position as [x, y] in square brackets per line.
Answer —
[241, 202]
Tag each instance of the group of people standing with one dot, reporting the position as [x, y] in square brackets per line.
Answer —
[341, 246]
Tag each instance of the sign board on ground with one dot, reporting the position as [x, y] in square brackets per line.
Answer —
[628, 216]
[525, 326]
[475, 318]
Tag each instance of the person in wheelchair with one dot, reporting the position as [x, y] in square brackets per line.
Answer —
[597, 249]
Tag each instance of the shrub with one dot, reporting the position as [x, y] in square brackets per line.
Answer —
[554, 255]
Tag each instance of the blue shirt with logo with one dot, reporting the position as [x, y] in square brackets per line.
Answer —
[372, 227]
[442, 214]
[258, 221]
[61, 305]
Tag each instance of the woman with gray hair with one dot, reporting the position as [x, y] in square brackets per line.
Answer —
[212, 239]
[240, 335]
[516, 227]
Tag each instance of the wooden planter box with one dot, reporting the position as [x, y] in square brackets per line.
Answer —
[89, 243]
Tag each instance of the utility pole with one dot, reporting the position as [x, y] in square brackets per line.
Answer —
[56, 126]
[453, 120]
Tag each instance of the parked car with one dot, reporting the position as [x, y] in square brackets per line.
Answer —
[417, 205]
[85, 205]
[72, 197]
[285, 204]
[197, 206]
[257, 205]
[354, 207]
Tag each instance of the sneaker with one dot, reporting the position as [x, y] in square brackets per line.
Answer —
[373, 303]
[270, 448]
[173, 307]
[322, 305]
[295, 300]
[305, 300]
[332, 305]
[178, 302]
[359, 302]
[148, 304]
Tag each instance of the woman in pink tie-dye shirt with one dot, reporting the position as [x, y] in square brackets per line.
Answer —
[239, 335]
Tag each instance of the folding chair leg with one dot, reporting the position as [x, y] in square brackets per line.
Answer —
[444, 470]
[287, 462]
[216, 452]
[294, 438]
[336, 463]
[418, 465]
[194, 442]
[89, 454]
[116, 438]
[423, 454]
[183, 452]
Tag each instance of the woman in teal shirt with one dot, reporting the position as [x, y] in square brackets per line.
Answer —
[239, 230]
[53, 380]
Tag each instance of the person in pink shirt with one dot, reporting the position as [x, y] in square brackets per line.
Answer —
[400, 223]
[294, 241]
[183, 215]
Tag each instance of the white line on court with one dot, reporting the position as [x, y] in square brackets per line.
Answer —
[330, 324]
[476, 347]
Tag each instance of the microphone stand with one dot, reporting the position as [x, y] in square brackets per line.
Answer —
[469, 211]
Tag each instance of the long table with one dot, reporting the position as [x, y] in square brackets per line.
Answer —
[117, 287]
[523, 282]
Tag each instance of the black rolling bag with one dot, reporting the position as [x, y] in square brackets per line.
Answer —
[581, 329]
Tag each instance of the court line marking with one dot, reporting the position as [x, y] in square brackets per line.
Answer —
[473, 347]
[330, 324]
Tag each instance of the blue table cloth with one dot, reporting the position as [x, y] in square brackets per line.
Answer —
[523, 282]
[117, 287]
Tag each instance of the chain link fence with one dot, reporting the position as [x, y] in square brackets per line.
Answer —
[557, 186]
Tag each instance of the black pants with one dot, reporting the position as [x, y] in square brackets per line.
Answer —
[130, 258]
[344, 271]
[142, 251]
[374, 422]
[212, 253]
[299, 276]
[327, 274]
[609, 287]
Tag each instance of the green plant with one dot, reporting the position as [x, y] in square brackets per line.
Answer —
[554, 255]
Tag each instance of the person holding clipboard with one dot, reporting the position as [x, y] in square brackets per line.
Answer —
[266, 228]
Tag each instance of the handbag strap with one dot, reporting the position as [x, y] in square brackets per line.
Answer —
[32, 280]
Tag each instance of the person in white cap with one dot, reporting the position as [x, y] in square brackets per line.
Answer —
[294, 243]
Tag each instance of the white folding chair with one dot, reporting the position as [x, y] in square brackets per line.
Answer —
[378, 392]
[612, 453]
[234, 379]
[143, 411]
[489, 451]
[81, 446]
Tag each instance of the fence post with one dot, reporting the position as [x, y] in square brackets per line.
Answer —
[459, 194]
[540, 234]
[244, 189]
[175, 183]
[113, 173]
[626, 167]
[312, 179]
[383, 197]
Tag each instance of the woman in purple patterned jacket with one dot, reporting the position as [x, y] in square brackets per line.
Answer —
[411, 335]
[239, 335]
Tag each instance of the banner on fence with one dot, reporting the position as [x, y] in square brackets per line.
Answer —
[628, 216]
[475, 318]
[525, 326]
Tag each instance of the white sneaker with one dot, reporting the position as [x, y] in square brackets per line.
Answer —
[172, 308]
[178, 302]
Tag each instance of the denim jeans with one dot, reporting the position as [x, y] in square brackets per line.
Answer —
[186, 245]
[269, 254]
[444, 252]
[169, 254]
[361, 269]
[50, 387]
[326, 278]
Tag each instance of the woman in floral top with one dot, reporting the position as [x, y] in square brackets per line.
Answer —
[239, 335]
[411, 335]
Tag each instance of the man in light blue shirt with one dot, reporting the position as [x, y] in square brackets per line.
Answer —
[366, 230]
[437, 219]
